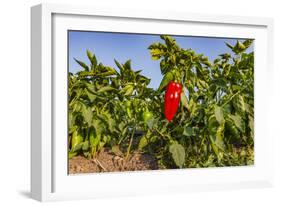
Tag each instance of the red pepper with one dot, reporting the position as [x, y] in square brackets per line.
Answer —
[172, 99]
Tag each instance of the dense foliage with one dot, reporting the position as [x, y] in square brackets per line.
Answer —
[214, 124]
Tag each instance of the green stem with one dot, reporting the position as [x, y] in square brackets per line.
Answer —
[165, 136]
[103, 107]
[231, 98]
[130, 144]
[234, 96]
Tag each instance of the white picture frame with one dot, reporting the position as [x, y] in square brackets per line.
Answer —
[49, 178]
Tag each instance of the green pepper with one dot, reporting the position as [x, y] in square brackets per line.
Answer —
[146, 115]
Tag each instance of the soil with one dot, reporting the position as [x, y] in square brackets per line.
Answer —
[106, 161]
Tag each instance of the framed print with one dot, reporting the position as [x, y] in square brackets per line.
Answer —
[135, 102]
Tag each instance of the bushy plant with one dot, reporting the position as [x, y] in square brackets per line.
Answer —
[214, 124]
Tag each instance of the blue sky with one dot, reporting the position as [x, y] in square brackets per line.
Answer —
[122, 46]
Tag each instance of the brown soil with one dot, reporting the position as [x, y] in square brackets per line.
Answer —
[106, 161]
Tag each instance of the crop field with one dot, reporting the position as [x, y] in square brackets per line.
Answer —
[196, 112]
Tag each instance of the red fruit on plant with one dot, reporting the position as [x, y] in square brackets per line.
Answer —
[172, 99]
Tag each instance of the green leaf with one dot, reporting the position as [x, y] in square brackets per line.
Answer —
[227, 108]
[212, 125]
[128, 90]
[249, 109]
[106, 71]
[92, 136]
[178, 153]
[150, 122]
[232, 130]
[219, 137]
[192, 106]
[239, 104]
[116, 150]
[87, 114]
[71, 154]
[216, 136]
[91, 96]
[86, 73]
[105, 89]
[226, 56]
[217, 60]
[164, 67]
[240, 45]
[89, 54]
[220, 83]
[156, 53]
[202, 84]
[165, 81]
[188, 131]
[247, 43]
[82, 64]
[111, 123]
[85, 146]
[77, 106]
[214, 146]
[238, 122]
[95, 137]
[77, 147]
[71, 119]
[127, 65]
[236, 88]
[229, 45]
[92, 58]
[251, 125]
[94, 62]
[184, 100]
[219, 114]
[143, 142]
[119, 66]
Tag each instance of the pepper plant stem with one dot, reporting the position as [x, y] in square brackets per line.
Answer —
[130, 144]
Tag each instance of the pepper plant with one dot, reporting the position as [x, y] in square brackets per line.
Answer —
[207, 121]
[216, 112]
